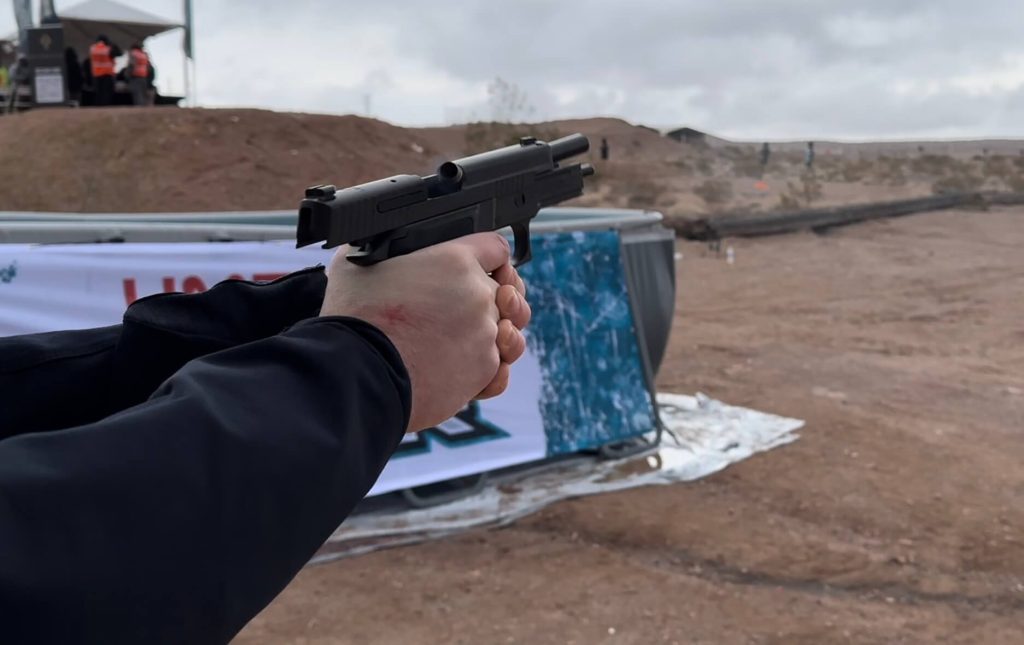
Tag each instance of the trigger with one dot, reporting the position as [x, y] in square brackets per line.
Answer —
[521, 237]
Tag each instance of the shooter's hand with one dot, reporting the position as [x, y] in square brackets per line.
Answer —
[455, 327]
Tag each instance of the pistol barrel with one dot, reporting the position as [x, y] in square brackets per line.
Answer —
[570, 146]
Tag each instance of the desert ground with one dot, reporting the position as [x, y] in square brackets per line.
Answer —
[898, 517]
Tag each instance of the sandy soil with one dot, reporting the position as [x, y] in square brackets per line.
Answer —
[897, 518]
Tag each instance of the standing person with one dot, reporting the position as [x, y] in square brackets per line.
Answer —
[604, 149]
[766, 153]
[101, 60]
[138, 74]
[809, 155]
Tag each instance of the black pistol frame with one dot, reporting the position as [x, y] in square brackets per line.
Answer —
[485, 192]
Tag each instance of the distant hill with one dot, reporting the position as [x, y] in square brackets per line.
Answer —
[138, 160]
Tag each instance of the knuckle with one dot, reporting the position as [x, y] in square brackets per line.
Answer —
[493, 360]
[506, 337]
[452, 257]
[518, 346]
[507, 300]
[500, 241]
[461, 259]
[527, 314]
[490, 332]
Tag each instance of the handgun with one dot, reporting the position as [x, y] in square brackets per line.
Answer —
[484, 192]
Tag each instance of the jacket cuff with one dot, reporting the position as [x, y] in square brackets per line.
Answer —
[380, 343]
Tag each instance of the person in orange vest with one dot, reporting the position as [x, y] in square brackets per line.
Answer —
[101, 59]
[138, 74]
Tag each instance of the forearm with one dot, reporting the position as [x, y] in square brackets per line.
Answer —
[179, 519]
[55, 380]
[64, 379]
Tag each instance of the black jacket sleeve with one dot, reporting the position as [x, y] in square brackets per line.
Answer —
[64, 379]
[178, 519]
[163, 479]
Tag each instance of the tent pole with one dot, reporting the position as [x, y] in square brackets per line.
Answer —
[185, 91]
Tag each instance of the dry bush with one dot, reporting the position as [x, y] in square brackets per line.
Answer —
[666, 202]
[643, 195]
[855, 171]
[932, 165]
[889, 171]
[1005, 170]
[810, 187]
[829, 168]
[714, 192]
[895, 176]
[802, 195]
[1015, 183]
[958, 182]
[510, 108]
[737, 153]
[789, 200]
[748, 167]
[629, 185]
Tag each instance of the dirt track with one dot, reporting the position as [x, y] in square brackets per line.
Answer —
[897, 518]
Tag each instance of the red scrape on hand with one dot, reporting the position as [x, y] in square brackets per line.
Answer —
[396, 314]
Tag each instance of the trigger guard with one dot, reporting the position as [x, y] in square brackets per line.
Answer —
[521, 253]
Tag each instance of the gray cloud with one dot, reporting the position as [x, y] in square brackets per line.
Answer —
[750, 68]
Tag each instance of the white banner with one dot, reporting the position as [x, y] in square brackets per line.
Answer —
[57, 287]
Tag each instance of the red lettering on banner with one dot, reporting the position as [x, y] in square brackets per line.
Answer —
[193, 284]
[131, 293]
[267, 277]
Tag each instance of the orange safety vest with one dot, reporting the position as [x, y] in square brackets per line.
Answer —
[99, 58]
[140, 64]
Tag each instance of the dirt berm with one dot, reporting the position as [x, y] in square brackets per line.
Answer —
[138, 160]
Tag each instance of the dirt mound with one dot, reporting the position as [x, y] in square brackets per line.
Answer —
[189, 160]
[198, 160]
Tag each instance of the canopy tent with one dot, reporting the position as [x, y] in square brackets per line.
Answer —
[122, 24]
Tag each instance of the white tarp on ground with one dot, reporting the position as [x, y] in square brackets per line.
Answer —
[703, 436]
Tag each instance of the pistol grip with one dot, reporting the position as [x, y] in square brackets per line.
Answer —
[521, 252]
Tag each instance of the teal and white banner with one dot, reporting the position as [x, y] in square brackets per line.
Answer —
[580, 384]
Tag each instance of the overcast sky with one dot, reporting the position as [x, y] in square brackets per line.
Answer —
[750, 69]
